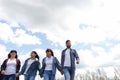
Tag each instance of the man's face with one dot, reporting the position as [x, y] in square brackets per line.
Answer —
[68, 44]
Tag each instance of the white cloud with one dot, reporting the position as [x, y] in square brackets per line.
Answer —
[102, 57]
[98, 57]
[6, 32]
[19, 37]
[115, 54]
[87, 59]
[14, 24]
[42, 17]
[60, 20]
[4, 53]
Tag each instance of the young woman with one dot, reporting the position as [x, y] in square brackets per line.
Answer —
[30, 67]
[49, 65]
[11, 66]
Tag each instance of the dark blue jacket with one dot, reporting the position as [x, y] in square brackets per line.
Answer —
[32, 69]
[55, 65]
[73, 56]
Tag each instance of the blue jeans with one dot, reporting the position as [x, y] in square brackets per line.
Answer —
[69, 73]
[48, 75]
[9, 77]
[29, 77]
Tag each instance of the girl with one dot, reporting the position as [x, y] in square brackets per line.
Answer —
[49, 65]
[11, 66]
[30, 67]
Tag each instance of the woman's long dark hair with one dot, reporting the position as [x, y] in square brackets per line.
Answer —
[12, 52]
[36, 54]
[50, 50]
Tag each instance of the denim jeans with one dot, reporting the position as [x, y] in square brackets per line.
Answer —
[9, 77]
[48, 75]
[29, 77]
[69, 73]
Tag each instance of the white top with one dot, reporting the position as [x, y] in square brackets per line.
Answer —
[30, 61]
[11, 67]
[67, 62]
[49, 62]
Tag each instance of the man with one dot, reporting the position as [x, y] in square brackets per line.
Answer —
[68, 61]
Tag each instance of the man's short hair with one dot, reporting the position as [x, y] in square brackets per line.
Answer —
[67, 41]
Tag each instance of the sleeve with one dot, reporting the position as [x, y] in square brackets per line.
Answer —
[41, 71]
[38, 66]
[58, 65]
[18, 65]
[23, 68]
[3, 66]
[76, 55]
[62, 63]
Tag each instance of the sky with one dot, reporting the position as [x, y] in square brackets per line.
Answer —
[93, 26]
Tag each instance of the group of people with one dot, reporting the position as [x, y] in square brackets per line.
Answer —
[10, 68]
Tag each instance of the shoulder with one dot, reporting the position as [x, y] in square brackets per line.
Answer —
[55, 58]
[18, 60]
[43, 60]
[37, 61]
[27, 60]
[64, 50]
[73, 50]
[5, 60]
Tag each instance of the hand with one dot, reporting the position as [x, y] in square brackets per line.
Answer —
[3, 72]
[62, 72]
[17, 74]
[77, 62]
[41, 76]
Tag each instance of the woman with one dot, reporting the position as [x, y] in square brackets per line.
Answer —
[49, 65]
[30, 67]
[11, 66]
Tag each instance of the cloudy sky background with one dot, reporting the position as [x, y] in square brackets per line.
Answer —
[93, 26]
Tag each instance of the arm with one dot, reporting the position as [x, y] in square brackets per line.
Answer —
[62, 61]
[3, 66]
[41, 71]
[38, 66]
[58, 65]
[77, 57]
[18, 65]
[18, 68]
[23, 68]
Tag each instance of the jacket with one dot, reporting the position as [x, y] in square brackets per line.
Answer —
[55, 65]
[32, 70]
[73, 56]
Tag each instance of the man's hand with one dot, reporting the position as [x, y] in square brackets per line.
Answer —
[77, 62]
[62, 72]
